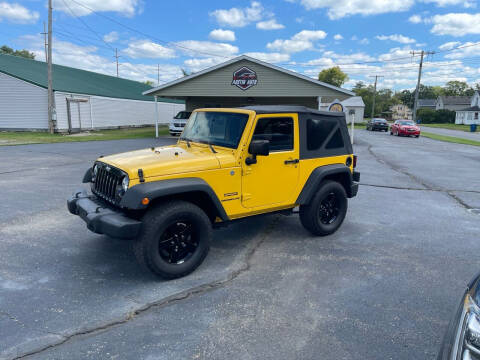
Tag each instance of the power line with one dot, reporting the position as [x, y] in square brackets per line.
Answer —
[87, 26]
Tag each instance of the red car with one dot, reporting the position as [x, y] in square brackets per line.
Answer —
[405, 128]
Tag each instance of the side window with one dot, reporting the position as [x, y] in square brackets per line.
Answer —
[317, 132]
[279, 131]
[336, 141]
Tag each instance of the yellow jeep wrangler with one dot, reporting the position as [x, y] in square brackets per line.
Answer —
[228, 164]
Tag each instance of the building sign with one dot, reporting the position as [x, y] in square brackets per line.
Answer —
[336, 107]
[244, 78]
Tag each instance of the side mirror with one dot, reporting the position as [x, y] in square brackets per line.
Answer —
[257, 147]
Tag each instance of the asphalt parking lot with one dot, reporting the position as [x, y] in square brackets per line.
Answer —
[383, 287]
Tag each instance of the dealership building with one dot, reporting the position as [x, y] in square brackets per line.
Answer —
[245, 81]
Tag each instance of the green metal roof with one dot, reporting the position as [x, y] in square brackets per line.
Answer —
[71, 80]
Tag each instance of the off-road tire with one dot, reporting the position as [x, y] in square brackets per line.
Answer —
[310, 214]
[155, 222]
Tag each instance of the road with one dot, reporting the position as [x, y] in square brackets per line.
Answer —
[455, 133]
[383, 287]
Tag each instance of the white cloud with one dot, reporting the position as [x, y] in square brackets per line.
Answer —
[17, 13]
[397, 52]
[269, 57]
[341, 8]
[299, 42]
[110, 37]
[449, 45]
[310, 35]
[364, 41]
[239, 17]
[455, 24]
[197, 65]
[87, 58]
[444, 3]
[222, 35]
[397, 38]
[123, 7]
[207, 48]
[467, 49]
[148, 49]
[415, 19]
[338, 37]
[269, 25]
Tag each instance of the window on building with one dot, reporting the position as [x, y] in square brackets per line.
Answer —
[279, 131]
[476, 116]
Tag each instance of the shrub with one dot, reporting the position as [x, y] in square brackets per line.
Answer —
[429, 116]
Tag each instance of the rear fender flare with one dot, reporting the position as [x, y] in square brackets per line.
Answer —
[318, 175]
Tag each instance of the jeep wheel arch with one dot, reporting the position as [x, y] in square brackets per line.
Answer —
[337, 172]
[195, 190]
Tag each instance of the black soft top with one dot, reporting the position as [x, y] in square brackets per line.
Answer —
[278, 109]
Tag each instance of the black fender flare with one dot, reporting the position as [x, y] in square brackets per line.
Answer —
[318, 175]
[88, 176]
[156, 189]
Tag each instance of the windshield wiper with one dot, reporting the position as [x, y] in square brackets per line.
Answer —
[186, 140]
[211, 148]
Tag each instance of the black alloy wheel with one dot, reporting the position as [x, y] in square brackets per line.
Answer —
[175, 239]
[325, 212]
[329, 209]
[177, 243]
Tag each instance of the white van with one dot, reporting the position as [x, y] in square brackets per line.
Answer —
[178, 123]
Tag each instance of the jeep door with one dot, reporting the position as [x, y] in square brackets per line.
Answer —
[273, 178]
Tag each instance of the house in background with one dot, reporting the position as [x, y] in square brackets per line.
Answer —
[469, 115]
[426, 104]
[353, 107]
[401, 111]
[84, 99]
[453, 103]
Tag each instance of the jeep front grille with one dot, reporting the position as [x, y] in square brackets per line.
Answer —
[106, 182]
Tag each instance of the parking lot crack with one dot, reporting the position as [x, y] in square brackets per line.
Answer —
[418, 180]
[170, 300]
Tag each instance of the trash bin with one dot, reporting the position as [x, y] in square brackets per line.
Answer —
[473, 127]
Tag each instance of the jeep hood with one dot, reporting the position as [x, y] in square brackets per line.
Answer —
[166, 160]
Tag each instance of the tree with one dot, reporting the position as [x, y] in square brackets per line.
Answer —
[334, 76]
[21, 53]
[457, 88]
[149, 83]
[185, 72]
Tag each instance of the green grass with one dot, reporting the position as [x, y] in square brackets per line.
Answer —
[450, 139]
[460, 127]
[36, 137]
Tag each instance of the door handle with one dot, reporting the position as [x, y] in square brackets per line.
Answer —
[294, 161]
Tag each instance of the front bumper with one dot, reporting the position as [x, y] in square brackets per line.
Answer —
[380, 127]
[409, 133]
[101, 219]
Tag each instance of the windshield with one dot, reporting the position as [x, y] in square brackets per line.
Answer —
[183, 115]
[216, 128]
[379, 120]
[411, 123]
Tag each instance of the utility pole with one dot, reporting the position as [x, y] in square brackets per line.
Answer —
[52, 113]
[374, 93]
[116, 58]
[45, 33]
[158, 74]
[417, 90]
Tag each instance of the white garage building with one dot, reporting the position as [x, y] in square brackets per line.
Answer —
[84, 99]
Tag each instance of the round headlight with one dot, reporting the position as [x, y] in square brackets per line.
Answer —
[125, 183]
[94, 172]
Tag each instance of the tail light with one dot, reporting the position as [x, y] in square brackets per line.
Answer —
[354, 161]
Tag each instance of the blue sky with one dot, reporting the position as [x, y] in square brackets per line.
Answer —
[364, 37]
